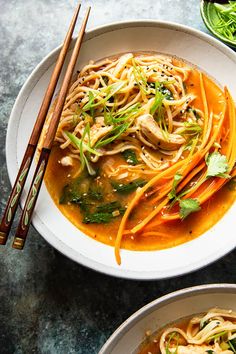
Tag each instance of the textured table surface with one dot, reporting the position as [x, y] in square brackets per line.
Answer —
[48, 304]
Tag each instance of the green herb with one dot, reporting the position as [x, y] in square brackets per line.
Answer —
[177, 178]
[217, 165]
[130, 157]
[171, 337]
[157, 108]
[166, 92]
[203, 323]
[110, 207]
[128, 113]
[226, 25]
[114, 134]
[85, 193]
[97, 218]
[127, 188]
[104, 213]
[78, 142]
[216, 336]
[188, 206]
[210, 351]
[95, 193]
[109, 90]
[159, 97]
[140, 77]
[232, 344]
[81, 145]
[190, 129]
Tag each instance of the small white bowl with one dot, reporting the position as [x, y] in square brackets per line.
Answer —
[169, 308]
[198, 48]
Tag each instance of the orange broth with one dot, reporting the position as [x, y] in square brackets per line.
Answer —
[177, 231]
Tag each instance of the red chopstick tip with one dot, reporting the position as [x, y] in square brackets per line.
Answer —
[3, 238]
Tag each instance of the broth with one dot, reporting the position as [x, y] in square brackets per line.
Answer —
[171, 233]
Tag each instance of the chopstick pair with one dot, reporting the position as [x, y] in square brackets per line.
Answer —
[12, 204]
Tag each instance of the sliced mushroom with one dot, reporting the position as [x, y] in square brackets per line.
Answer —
[151, 130]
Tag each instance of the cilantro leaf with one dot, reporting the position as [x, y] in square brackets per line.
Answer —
[177, 178]
[217, 165]
[188, 206]
[123, 188]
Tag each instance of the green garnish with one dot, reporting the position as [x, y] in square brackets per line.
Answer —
[97, 218]
[77, 142]
[80, 144]
[177, 178]
[127, 188]
[110, 207]
[109, 90]
[188, 206]
[140, 77]
[171, 337]
[130, 157]
[190, 129]
[114, 134]
[216, 336]
[232, 344]
[157, 109]
[124, 114]
[159, 97]
[226, 24]
[203, 323]
[85, 193]
[217, 165]
[104, 213]
[166, 92]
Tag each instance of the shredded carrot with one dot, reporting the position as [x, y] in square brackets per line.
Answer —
[188, 168]
[205, 107]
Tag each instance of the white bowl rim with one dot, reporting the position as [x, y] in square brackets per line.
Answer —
[159, 302]
[52, 240]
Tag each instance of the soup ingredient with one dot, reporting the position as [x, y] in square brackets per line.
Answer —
[226, 25]
[188, 206]
[217, 165]
[85, 192]
[123, 188]
[213, 332]
[130, 157]
[153, 134]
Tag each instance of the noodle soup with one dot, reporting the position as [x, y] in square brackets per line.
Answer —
[213, 332]
[144, 152]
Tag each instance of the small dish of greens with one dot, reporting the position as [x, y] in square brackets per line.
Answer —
[220, 18]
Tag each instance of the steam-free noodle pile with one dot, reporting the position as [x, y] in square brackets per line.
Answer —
[142, 130]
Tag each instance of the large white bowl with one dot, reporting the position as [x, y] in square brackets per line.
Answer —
[196, 47]
[170, 308]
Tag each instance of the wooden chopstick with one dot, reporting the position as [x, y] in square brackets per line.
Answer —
[24, 223]
[16, 191]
